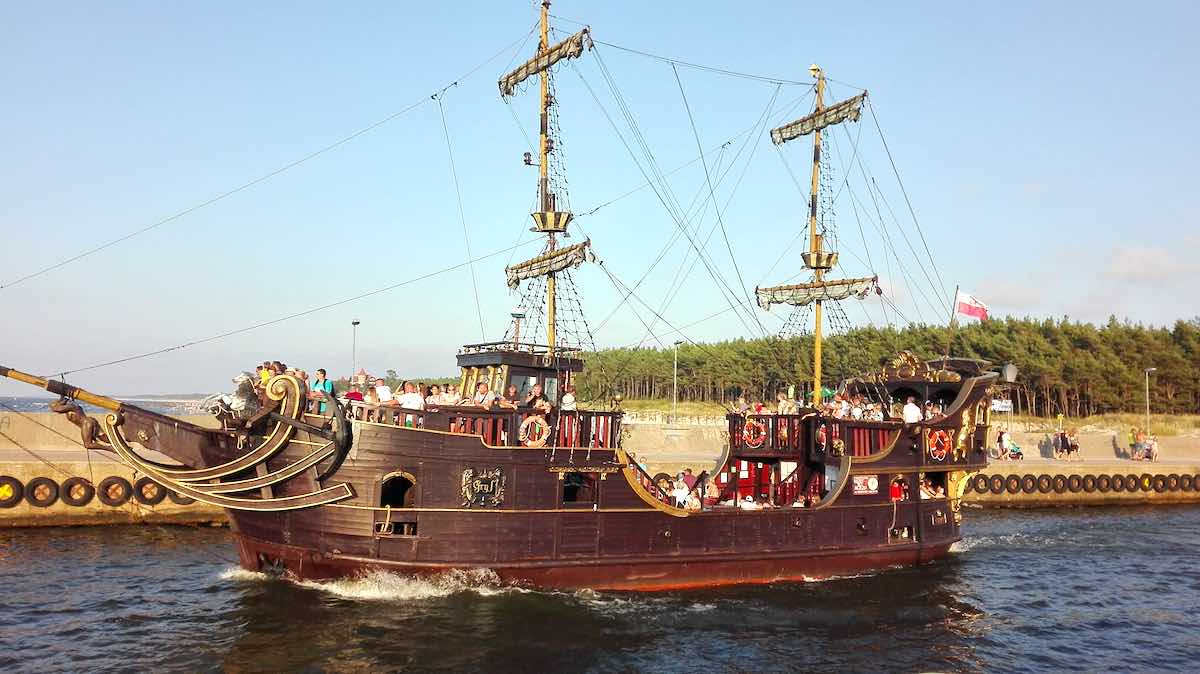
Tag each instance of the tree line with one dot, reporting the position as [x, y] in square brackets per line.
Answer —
[1076, 369]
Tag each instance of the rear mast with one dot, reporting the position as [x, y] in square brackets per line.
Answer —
[814, 237]
[546, 199]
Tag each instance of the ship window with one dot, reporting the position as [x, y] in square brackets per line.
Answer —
[550, 388]
[579, 488]
[397, 491]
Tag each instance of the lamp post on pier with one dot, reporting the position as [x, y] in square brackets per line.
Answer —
[675, 385]
[1148, 371]
[353, 349]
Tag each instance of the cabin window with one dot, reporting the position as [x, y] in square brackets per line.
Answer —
[524, 384]
[933, 485]
[579, 488]
[397, 491]
[550, 388]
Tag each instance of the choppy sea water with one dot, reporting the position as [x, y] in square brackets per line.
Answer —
[1105, 589]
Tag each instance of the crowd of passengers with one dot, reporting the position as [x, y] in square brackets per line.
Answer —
[846, 406]
[414, 395]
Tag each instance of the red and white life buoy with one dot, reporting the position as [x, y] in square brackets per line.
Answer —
[754, 433]
[938, 445]
[534, 431]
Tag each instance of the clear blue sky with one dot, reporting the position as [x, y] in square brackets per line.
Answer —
[1049, 152]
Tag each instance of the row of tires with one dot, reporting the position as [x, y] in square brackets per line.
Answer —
[1059, 484]
[114, 491]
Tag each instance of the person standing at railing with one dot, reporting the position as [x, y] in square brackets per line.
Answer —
[912, 412]
[410, 399]
[321, 389]
[537, 400]
[483, 397]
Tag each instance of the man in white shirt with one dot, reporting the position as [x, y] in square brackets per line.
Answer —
[383, 391]
[483, 397]
[912, 412]
[410, 399]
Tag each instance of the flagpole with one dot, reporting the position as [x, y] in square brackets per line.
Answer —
[950, 330]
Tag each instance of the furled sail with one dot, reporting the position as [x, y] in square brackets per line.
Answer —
[548, 263]
[849, 109]
[801, 294]
[569, 48]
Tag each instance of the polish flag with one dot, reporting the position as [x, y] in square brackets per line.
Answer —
[967, 305]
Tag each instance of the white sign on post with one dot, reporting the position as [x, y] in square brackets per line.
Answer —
[1002, 405]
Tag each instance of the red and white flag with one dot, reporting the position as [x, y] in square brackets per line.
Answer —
[967, 305]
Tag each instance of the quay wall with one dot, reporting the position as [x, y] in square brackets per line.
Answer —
[46, 445]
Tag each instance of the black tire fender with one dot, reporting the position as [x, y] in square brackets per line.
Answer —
[1159, 483]
[1146, 482]
[1012, 484]
[1186, 482]
[148, 492]
[114, 491]
[77, 492]
[1045, 484]
[1131, 482]
[11, 491]
[996, 484]
[41, 492]
[1029, 484]
[980, 483]
[1060, 484]
[1075, 484]
[1089, 483]
[1103, 484]
[1172, 482]
[1118, 482]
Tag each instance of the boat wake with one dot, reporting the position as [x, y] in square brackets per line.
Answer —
[385, 586]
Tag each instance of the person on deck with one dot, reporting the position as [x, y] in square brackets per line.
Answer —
[435, 396]
[483, 397]
[912, 413]
[410, 399]
[537, 400]
[321, 389]
[568, 398]
[384, 392]
[354, 394]
[511, 398]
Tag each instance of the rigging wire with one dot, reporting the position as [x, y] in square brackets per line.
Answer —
[462, 216]
[260, 179]
[712, 191]
[298, 314]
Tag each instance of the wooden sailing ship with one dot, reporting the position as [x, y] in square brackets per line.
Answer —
[553, 498]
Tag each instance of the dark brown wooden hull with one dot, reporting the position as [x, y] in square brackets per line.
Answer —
[608, 574]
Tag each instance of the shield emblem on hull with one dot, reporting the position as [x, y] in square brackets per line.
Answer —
[482, 489]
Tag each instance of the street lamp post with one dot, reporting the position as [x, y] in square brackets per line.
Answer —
[1148, 371]
[675, 385]
[353, 349]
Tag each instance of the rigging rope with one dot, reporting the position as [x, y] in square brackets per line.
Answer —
[260, 179]
[462, 216]
[306, 312]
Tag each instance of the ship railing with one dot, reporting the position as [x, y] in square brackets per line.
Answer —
[650, 485]
[797, 434]
[593, 429]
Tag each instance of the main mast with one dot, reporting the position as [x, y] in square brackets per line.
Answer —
[819, 290]
[548, 220]
[545, 197]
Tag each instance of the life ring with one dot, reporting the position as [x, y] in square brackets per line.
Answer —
[1186, 482]
[534, 431]
[1060, 484]
[1118, 482]
[77, 492]
[1146, 482]
[1159, 483]
[11, 491]
[114, 491]
[1012, 484]
[754, 434]
[1089, 483]
[938, 444]
[148, 492]
[1075, 484]
[1045, 484]
[1029, 484]
[1131, 482]
[996, 484]
[1103, 483]
[41, 492]
[1173, 482]
[980, 483]
[179, 499]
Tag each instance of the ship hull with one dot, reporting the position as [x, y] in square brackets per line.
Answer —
[608, 574]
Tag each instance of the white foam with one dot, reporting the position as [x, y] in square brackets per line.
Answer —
[382, 585]
[237, 573]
